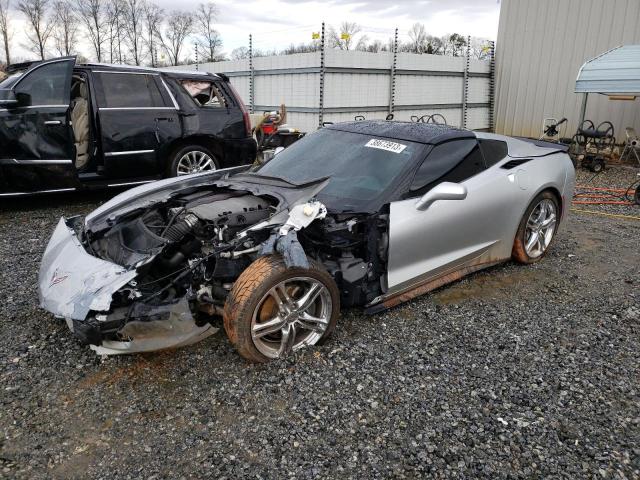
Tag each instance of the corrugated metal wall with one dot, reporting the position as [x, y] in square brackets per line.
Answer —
[359, 83]
[541, 46]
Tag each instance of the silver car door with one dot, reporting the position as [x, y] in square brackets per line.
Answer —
[452, 234]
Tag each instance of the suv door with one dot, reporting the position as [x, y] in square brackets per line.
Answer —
[134, 119]
[35, 136]
[450, 234]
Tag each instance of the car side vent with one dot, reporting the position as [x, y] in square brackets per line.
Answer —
[514, 163]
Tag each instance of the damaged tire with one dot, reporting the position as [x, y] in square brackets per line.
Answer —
[273, 310]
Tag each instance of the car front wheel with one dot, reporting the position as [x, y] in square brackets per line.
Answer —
[537, 229]
[192, 159]
[273, 310]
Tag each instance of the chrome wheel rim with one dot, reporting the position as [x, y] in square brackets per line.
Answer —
[541, 226]
[295, 313]
[195, 161]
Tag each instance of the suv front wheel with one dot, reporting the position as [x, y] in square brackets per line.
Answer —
[192, 159]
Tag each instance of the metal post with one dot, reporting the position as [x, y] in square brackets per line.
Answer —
[583, 109]
[196, 47]
[251, 76]
[392, 91]
[322, 69]
[492, 85]
[465, 84]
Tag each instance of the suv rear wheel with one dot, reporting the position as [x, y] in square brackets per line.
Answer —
[192, 159]
[273, 310]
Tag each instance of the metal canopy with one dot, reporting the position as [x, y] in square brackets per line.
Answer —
[614, 72]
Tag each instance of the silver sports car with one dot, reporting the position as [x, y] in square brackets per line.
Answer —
[369, 213]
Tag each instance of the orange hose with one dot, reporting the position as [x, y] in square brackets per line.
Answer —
[622, 190]
[587, 195]
[595, 202]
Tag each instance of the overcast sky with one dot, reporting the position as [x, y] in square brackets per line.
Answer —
[278, 23]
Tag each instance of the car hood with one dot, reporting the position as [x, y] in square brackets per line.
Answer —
[287, 194]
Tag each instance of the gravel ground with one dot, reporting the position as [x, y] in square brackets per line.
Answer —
[514, 372]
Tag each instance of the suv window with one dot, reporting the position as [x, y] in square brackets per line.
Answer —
[205, 94]
[493, 151]
[46, 85]
[128, 90]
[453, 161]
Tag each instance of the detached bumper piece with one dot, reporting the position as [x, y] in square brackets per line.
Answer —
[156, 327]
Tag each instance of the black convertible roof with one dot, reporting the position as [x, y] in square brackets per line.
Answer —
[409, 131]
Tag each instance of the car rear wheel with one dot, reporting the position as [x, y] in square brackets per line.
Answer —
[537, 229]
[273, 310]
[192, 159]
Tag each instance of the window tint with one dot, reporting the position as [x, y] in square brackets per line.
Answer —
[493, 151]
[128, 90]
[453, 161]
[47, 85]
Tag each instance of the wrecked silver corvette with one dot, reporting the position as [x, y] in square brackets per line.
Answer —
[371, 213]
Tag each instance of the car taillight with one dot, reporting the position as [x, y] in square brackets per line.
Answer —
[247, 120]
[243, 108]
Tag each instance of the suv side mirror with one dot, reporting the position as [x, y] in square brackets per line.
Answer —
[442, 191]
[24, 99]
[8, 98]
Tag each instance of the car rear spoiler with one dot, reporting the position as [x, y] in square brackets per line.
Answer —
[558, 147]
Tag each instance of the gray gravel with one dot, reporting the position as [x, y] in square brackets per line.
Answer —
[515, 372]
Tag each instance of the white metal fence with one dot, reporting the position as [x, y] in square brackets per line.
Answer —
[362, 83]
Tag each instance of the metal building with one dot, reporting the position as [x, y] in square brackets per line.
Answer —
[541, 46]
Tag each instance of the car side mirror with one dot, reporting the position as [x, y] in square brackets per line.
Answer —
[8, 99]
[23, 99]
[442, 191]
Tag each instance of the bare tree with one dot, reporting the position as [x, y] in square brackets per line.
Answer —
[40, 25]
[179, 26]
[240, 53]
[92, 15]
[313, 46]
[344, 39]
[208, 38]
[114, 13]
[434, 45]
[418, 36]
[375, 47]
[479, 48]
[5, 30]
[454, 44]
[153, 16]
[65, 30]
[133, 27]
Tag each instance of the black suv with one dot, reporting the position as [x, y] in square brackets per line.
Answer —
[65, 126]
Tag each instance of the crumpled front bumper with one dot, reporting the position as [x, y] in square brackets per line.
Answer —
[72, 283]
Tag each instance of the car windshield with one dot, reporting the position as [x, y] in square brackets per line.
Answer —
[360, 167]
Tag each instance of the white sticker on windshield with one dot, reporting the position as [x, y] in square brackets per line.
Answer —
[385, 145]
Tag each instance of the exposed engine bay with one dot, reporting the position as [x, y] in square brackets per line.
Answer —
[188, 251]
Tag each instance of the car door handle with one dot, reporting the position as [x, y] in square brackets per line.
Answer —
[164, 119]
[53, 122]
